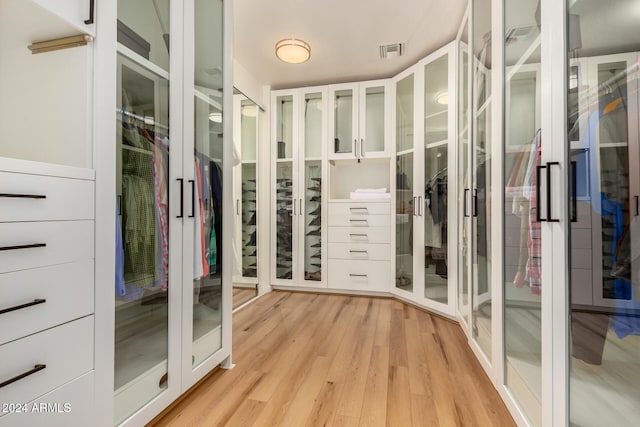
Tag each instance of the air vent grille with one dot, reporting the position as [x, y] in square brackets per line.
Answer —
[392, 50]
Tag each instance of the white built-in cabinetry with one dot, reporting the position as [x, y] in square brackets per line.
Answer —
[359, 120]
[298, 187]
[47, 288]
[425, 220]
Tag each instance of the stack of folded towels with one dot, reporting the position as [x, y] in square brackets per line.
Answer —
[370, 193]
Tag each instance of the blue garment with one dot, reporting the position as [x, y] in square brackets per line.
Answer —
[120, 289]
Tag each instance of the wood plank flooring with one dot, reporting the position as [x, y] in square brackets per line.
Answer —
[242, 295]
[320, 360]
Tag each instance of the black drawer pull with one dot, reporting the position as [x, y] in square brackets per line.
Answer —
[366, 210]
[358, 252]
[92, 6]
[22, 196]
[12, 248]
[21, 306]
[358, 275]
[36, 368]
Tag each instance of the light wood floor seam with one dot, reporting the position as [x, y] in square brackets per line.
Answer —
[334, 360]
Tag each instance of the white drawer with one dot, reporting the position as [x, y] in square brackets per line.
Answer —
[359, 209]
[66, 241]
[359, 275]
[66, 351]
[26, 197]
[68, 406]
[63, 293]
[360, 251]
[359, 220]
[359, 234]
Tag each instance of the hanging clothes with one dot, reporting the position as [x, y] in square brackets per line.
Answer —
[534, 239]
[198, 238]
[119, 279]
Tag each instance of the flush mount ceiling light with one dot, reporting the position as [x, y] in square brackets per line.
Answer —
[443, 98]
[293, 51]
[215, 117]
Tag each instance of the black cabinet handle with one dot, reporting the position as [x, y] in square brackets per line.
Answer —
[12, 248]
[181, 198]
[549, 164]
[193, 198]
[92, 9]
[36, 368]
[358, 275]
[420, 206]
[23, 196]
[637, 206]
[21, 306]
[538, 181]
[574, 192]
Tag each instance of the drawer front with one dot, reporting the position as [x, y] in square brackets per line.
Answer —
[359, 220]
[360, 251]
[68, 406]
[359, 209]
[66, 351]
[58, 294]
[42, 198]
[359, 275]
[359, 235]
[21, 244]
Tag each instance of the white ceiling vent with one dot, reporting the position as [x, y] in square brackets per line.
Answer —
[392, 50]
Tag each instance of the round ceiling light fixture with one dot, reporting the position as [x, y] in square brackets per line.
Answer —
[443, 98]
[293, 51]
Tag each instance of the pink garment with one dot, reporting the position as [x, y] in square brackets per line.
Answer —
[162, 200]
[203, 258]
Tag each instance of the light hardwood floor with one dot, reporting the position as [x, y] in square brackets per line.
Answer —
[318, 360]
[242, 295]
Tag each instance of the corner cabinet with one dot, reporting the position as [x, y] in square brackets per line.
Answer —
[425, 218]
[298, 187]
[359, 120]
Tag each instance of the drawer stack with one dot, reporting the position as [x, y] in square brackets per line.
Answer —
[46, 294]
[359, 245]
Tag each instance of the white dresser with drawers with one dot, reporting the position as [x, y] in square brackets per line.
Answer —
[359, 245]
[46, 294]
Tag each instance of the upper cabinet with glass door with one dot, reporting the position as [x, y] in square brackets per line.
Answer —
[358, 120]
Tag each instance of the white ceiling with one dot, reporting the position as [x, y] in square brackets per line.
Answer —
[344, 36]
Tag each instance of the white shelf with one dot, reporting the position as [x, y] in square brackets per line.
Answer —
[284, 160]
[436, 144]
[439, 113]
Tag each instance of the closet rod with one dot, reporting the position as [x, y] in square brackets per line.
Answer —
[150, 122]
[61, 43]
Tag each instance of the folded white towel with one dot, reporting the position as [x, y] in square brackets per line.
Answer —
[371, 190]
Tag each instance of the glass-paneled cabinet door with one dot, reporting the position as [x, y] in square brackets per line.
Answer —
[144, 168]
[435, 202]
[604, 227]
[406, 213]
[205, 161]
[311, 187]
[481, 174]
[284, 202]
[522, 148]
[373, 120]
[343, 121]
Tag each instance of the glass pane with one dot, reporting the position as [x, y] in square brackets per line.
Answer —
[374, 120]
[313, 126]
[284, 127]
[522, 238]
[604, 236]
[142, 238]
[436, 158]
[482, 173]
[343, 126]
[249, 221]
[313, 220]
[143, 28]
[207, 233]
[463, 169]
[436, 105]
[313, 187]
[404, 222]
[284, 219]
[404, 114]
